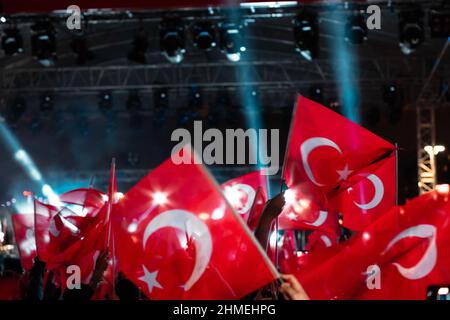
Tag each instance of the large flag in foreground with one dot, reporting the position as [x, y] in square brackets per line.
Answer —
[407, 248]
[177, 238]
[325, 149]
[23, 225]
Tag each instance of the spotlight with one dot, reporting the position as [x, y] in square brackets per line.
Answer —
[390, 94]
[172, 41]
[81, 50]
[195, 98]
[306, 34]
[204, 35]
[140, 46]
[134, 101]
[12, 43]
[231, 42]
[356, 28]
[43, 43]
[393, 97]
[316, 94]
[160, 104]
[46, 103]
[411, 30]
[105, 101]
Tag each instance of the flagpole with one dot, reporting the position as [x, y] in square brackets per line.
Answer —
[396, 174]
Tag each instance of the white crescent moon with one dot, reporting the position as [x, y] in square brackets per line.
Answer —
[308, 146]
[194, 227]
[428, 261]
[320, 220]
[379, 193]
[326, 240]
[251, 193]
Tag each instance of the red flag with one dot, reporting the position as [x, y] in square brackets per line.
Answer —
[23, 225]
[44, 226]
[369, 198]
[246, 191]
[302, 212]
[177, 238]
[325, 148]
[88, 198]
[410, 249]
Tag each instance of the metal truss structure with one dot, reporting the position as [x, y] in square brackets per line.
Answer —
[280, 73]
[428, 101]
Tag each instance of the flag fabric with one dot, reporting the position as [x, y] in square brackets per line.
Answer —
[407, 246]
[247, 194]
[369, 198]
[325, 149]
[177, 238]
[23, 225]
[45, 225]
[307, 212]
[88, 198]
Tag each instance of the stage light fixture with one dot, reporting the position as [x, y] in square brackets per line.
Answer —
[316, 94]
[204, 35]
[12, 42]
[306, 34]
[105, 101]
[411, 30]
[160, 105]
[140, 47]
[390, 94]
[79, 47]
[356, 28]
[46, 103]
[43, 43]
[231, 42]
[172, 39]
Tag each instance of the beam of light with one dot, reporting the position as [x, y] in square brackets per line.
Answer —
[345, 61]
[26, 162]
[249, 100]
[51, 195]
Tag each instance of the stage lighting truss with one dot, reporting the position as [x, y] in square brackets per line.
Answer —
[411, 30]
[43, 43]
[172, 39]
[306, 34]
[356, 28]
[231, 41]
[12, 42]
[204, 35]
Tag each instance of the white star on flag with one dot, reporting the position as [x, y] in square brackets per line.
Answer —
[291, 216]
[344, 173]
[150, 279]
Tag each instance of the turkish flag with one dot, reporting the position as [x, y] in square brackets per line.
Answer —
[44, 227]
[408, 247]
[245, 194]
[177, 238]
[88, 198]
[325, 149]
[370, 197]
[23, 225]
[302, 212]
